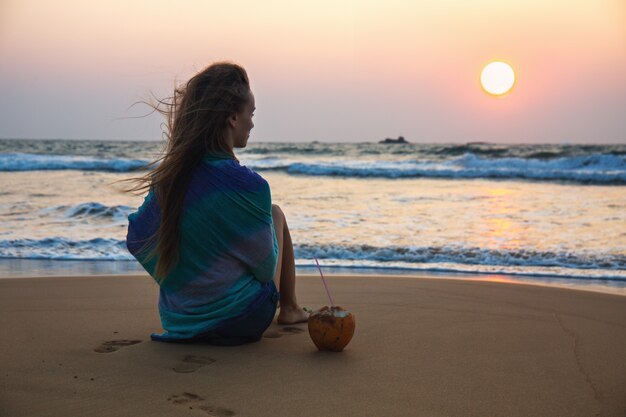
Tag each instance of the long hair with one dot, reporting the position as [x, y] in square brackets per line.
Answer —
[196, 119]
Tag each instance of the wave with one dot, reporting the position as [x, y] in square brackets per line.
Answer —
[433, 152]
[312, 148]
[94, 210]
[543, 152]
[42, 162]
[477, 149]
[464, 255]
[97, 249]
[593, 169]
[599, 168]
[445, 258]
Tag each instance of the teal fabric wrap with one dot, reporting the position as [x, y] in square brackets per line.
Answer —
[227, 247]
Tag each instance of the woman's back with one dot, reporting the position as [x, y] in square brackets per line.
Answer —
[227, 247]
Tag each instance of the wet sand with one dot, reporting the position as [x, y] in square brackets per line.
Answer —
[79, 346]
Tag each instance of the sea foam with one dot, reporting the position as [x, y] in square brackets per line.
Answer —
[38, 162]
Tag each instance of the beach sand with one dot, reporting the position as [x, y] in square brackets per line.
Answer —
[80, 346]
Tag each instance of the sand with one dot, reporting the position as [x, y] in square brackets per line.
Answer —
[79, 346]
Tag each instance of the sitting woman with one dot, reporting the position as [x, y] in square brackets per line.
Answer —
[207, 231]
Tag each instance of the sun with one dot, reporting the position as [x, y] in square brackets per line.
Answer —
[497, 78]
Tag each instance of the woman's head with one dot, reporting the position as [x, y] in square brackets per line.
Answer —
[210, 113]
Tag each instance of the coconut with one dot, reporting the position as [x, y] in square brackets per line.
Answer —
[331, 328]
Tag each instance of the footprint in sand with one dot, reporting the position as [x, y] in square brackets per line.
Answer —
[196, 402]
[114, 345]
[192, 363]
[282, 331]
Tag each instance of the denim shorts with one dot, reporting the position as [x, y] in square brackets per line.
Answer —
[249, 326]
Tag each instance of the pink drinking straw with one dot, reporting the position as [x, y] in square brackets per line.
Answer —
[324, 281]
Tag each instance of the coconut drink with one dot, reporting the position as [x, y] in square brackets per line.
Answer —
[331, 328]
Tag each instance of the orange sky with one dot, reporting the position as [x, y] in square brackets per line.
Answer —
[324, 70]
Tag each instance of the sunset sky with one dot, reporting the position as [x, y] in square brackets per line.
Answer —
[341, 71]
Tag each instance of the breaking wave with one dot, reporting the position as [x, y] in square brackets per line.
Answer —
[447, 258]
[37, 162]
[592, 169]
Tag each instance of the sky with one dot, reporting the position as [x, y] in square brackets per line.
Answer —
[331, 71]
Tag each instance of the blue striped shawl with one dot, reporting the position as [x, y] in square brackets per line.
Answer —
[227, 247]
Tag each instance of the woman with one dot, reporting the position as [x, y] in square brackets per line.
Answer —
[207, 231]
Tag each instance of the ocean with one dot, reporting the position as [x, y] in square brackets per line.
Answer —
[545, 212]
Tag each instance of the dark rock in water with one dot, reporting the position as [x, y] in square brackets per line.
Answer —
[399, 140]
[478, 143]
